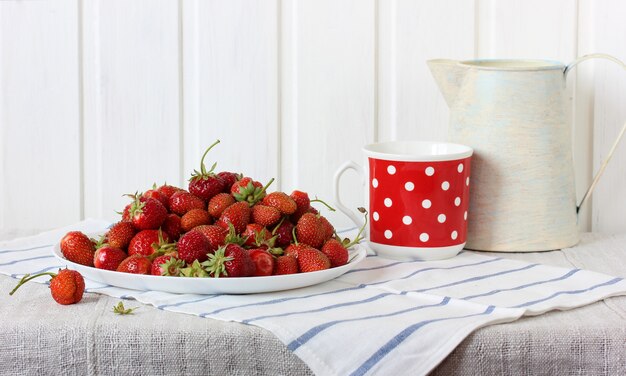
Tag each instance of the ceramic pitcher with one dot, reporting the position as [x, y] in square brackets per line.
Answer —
[513, 113]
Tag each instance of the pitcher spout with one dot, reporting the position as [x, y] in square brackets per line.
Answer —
[449, 75]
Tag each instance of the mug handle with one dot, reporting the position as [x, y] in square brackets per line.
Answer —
[349, 165]
[621, 133]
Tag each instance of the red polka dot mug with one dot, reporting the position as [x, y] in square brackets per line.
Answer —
[417, 198]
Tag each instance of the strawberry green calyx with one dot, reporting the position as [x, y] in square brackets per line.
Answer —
[328, 206]
[216, 264]
[233, 238]
[276, 251]
[101, 242]
[121, 310]
[161, 247]
[136, 207]
[251, 193]
[172, 267]
[194, 271]
[28, 277]
[203, 173]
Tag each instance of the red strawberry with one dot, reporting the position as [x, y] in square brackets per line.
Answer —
[294, 249]
[230, 260]
[78, 248]
[336, 252]
[66, 286]
[329, 230]
[310, 230]
[135, 264]
[193, 246]
[229, 178]
[265, 215]
[238, 214]
[147, 242]
[286, 264]
[302, 202]
[125, 213]
[168, 191]
[155, 194]
[195, 217]
[147, 214]
[279, 200]
[182, 201]
[214, 234]
[172, 226]
[248, 190]
[205, 184]
[311, 260]
[108, 257]
[256, 235]
[263, 262]
[218, 203]
[120, 234]
[284, 234]
[166, 265]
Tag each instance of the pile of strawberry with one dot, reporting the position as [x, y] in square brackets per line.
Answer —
[224, 225]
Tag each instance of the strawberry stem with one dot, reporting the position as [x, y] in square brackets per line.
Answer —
[29, 277]
[202, 168]
[328, 206]
[278, 225]
[359, 237]
[260, 193]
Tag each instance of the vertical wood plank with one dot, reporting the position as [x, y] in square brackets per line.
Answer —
[131, 100]
[230, 61]
[328, 95]
[39, 116]
[410, 33]
[608, 31]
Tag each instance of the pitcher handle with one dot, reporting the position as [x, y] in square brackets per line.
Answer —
[598, 174]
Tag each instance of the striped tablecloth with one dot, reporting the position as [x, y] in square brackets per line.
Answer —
[384, 316]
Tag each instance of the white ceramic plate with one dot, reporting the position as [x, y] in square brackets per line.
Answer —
[180, 285]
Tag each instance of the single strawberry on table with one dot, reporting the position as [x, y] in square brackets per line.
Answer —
[67, 286]
[205, 184]
[78, 247]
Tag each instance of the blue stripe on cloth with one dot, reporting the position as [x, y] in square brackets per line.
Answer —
[493, 292]
[478, 278]
[24, 249]
[26, 259]
[346, 230]
[296, 343]
[321, 309]
[420, 261]
[98, 288]
[403, 335]
[570, 292]
[282, 300]
[187, 302]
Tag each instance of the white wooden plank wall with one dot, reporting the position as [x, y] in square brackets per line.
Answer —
[101, 98]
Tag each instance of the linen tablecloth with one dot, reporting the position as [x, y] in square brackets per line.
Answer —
[404, 316]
